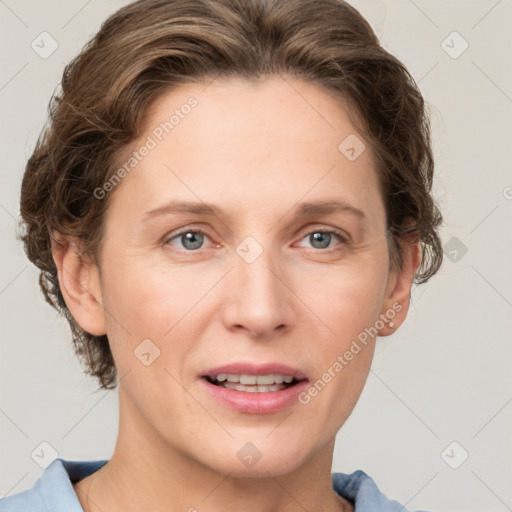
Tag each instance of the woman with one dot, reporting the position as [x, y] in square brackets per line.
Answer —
[230, 204]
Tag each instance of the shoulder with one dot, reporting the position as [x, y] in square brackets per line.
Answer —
[53, 491]
[362, 491]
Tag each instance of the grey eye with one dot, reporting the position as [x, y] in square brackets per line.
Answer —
[190, 240]
[320, 239]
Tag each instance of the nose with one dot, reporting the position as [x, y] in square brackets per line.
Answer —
[259, 299]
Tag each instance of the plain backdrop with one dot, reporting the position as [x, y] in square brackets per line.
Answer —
[433, 424]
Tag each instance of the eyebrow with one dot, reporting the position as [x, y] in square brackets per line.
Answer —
[207, 209]
[183, 207]
[324, 207]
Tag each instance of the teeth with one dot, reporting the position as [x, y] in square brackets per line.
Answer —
[253, 383]
[265, 379]
[253, 389]
[260, 380]
[248, 379]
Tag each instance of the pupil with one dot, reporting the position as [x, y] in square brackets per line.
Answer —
[193, 239]
[324, 239]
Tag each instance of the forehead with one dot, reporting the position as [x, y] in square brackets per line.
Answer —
[257, 108]
[250, 144]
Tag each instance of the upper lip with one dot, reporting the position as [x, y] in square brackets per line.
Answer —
[246, 368]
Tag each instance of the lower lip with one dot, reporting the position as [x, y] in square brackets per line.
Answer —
[256, 403]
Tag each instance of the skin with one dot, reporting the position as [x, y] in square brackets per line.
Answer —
[255, 150]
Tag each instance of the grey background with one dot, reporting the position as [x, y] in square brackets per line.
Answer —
[443, 377]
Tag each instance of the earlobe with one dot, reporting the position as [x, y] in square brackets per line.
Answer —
[396, 304]
[79, 282]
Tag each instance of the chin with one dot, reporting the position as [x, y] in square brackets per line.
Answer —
[271, 467]
[258, 459]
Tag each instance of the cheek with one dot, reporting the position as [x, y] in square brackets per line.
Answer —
[347, 301]
[147, 299]
[136, 309]
[150, 302]
[348, 297]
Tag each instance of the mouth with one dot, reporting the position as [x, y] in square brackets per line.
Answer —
[254, 389]
[254, 383]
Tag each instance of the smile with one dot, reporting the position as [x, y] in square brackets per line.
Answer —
[253, 383]
[254, 388]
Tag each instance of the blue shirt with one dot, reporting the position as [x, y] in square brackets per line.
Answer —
[53, 491]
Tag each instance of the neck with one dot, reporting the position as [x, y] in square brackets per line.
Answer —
[146, 473]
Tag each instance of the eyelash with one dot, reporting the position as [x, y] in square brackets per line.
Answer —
[331, 231]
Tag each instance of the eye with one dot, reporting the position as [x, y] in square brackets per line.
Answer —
[191, 239]
[322, 238]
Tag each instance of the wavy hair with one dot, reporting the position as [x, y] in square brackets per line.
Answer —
[148, 47]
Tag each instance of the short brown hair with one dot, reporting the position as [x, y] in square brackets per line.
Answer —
[149, 46]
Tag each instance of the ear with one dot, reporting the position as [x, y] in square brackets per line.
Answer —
[79, 281]
[398, 293]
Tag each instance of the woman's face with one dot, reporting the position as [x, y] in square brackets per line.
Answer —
[265, 284]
